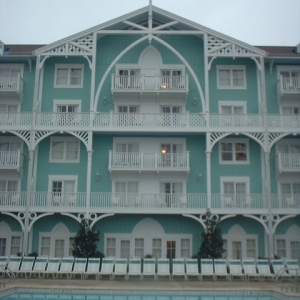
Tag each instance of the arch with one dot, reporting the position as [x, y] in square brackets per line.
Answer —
[60, 229]
[15, 217]
[237, 231]
[199, 220]
[5, 229]
[95, 220]
[280, 220]
[37, 218]
[150, 54]
[274, 138]
[148, 227]
[23, 135]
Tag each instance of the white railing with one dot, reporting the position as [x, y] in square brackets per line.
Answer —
[283, 121]
[63, 119]
[16, 119]
[289, 84]
[236, 120]
[149, 161]
[11, 83]
[141, 82]
[288, 162]
[11, 159]
[142, 203]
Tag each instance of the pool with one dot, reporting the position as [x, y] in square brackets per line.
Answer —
[60, 294]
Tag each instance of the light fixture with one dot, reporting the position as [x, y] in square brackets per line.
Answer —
[97, 176]
[195, 101]
[200, 177]
[163, 151]
[104, 100]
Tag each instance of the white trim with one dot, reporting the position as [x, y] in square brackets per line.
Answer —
[232, 103]
[69, 66]
[8, 234]
[245, 180]
[231, 68]
[67, 102]
[64, 140]
[52, 178]
[234, 161]
[13, 67]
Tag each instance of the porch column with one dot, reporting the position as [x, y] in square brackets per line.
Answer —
[269, 203]
[208, 170]
[88, 181]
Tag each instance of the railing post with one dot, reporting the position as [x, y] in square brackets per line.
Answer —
[109, 159]
[111, 118]
[155, 160]
[142, 159]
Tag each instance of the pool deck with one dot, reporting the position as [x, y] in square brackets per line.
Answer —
[290, 289]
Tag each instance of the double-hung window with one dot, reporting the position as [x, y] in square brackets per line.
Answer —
[68, 76]
[171, 79]
[8, 190]
[64, 150]
[129, 78]
[234, 151]
[171, 192]
[62, 189]
[231, 77]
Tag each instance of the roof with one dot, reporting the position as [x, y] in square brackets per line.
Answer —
[280, 51]
[20, 50]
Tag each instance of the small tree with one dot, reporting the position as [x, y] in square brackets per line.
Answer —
[212, 244]
[85, 242]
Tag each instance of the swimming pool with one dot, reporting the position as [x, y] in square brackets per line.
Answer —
[56, 294]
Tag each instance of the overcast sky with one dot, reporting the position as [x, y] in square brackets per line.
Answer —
[256, 22]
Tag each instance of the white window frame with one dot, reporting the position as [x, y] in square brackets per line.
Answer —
[59, 102]
[11, 103]
[242, 104]
[287, 69]
[245, 180]
[7, 234]
[64, 140]
[52, 178]
[13, 67]
[234, 161]
[232, 68]
[69, 67]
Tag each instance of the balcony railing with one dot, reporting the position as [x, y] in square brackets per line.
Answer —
[288, 162]
[12, 160]
[148, 161]
[288, 87]
[149, 83]
[11, 84]
[147, 203]
[185, 122]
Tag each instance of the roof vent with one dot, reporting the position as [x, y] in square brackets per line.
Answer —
[297, 50]
[2, 46]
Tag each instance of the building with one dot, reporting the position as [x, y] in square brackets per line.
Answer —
[141, 124]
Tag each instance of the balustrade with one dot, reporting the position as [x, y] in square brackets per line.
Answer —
[288, 162]
[11, 159]
[11, 83]
[145, 203]
[289, 84]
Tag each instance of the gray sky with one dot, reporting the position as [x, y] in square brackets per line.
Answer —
[256, 22]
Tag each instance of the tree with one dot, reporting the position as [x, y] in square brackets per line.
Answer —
[85, 242]
[212, 244]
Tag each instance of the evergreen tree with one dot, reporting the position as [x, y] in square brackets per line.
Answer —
[212, 244]
[85, 242]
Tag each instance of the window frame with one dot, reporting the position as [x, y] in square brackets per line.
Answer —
[58, 102]
[234, 161]
[232, 104]
[68, 67]
[52, 178]
[232, 68]
[235, 180]
[65, 140]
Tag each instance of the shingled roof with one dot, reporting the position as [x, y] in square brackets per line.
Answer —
[20, 49]
[280, 51]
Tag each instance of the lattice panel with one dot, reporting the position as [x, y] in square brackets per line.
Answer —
[25, 135]
[215, 137]
[83, 136]
[274, 137]
[259, 137]
[221, 47]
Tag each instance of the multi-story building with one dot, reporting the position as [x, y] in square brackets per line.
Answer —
[140, 125]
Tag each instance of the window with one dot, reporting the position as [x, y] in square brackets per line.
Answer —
[280, 248]
[171, 249]
[2, 246]
[295, 250]
[65, 150]
[290, 77]
[129, 78]
[290, 110]
[171, 155]
[225, 253]
[231, 108]
[234, 151]
[127, 192]
[139, 248]
[111, 247]
[171, 192]
[251, 248]
[171, 79]
[185, 248]
[9, 108]
[45, 246]
[236, 190]
[237, 250]
[128, 109]
[171, 109]
[125, 249]
[157, 248]
[231, 77]
[9, 75]
[70, 76]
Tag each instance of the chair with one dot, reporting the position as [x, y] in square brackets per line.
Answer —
[14, 200]
[66, 266]
[250, 269]
[72, 200]
[39, 266]
[207, 268]
[52, 266]
[57, 200]
[163, 267]
[248, 202]
[149, 267]
[134, 268]
[221, 269]
[178, 268]
[235, 269]
[120, 268]
[14, 263]
[79, 267]
[192, 267]
[183, 201]
[228, 202]
[279, 269]
[107, 267]
[26, 266]
[115, 201]
[293, 268]
[263, 268]
[290, 202]
[93, 268]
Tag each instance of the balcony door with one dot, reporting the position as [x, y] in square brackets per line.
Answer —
[171, 249]
[170, 154]
[235, 193]
[127, 154]
[171, 193]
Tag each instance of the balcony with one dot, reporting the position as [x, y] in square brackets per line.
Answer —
[148, 203]
[288, 162]
[11, 86]
[130, 161]
[151, 122]
[288, 88]
[134, 87]
[11, 160]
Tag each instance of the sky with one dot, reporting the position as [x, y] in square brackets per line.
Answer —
[256, 22]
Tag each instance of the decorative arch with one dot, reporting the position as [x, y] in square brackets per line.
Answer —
[146, 52]
[275, 137]
[279, 220]
[148, 227]
[17, 217]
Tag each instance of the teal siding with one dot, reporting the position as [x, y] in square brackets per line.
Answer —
[285, 225]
